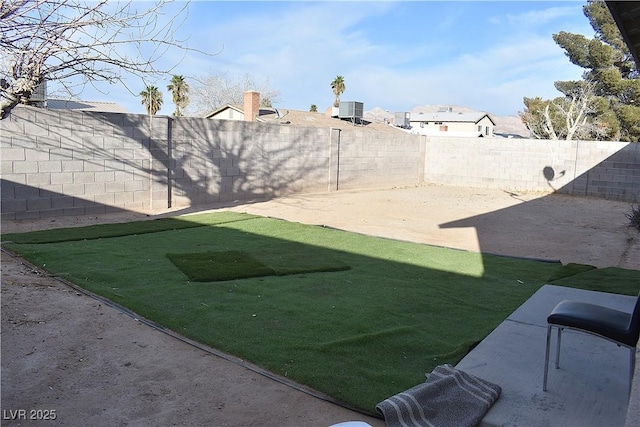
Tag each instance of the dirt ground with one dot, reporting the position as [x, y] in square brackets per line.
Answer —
[70, 356]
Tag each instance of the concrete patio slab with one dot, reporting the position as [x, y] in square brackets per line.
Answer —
[591, 388]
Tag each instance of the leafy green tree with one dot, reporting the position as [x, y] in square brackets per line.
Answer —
[313, 108]
[151, 99]
[338, 86]
[610, 67]
[180, 94]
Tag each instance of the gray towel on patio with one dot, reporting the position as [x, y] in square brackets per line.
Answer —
[449, 397]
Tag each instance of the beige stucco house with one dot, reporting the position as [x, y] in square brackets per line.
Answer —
[450, 123]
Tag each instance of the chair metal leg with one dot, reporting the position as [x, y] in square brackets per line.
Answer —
[632, 357]
[632, 367]
[546, 359]
[558, 347]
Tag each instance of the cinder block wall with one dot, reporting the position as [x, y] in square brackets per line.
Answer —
[375, 160]
[607, 169]
[66, 163]
[592, 168]
[222, 160]
[58, 163]
[511, 164]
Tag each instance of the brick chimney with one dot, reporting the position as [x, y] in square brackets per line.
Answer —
[251, 105]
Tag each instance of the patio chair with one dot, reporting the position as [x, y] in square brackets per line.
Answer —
[617, 326]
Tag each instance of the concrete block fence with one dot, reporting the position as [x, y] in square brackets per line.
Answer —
[56, 163]
[589, 168]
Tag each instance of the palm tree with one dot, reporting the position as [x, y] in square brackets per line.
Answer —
[314, 108]
[338, 87]
[180, 92]
[151, 99]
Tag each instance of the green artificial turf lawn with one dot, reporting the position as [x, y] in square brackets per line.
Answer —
[569, 270]
[610, 279]
[231, 265]
[124, 229]
[391, 313]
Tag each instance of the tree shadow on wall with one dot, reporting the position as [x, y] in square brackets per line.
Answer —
[214, 161]
[114, 162]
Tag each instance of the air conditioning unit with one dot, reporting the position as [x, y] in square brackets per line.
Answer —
[351, 110]
[402, 120]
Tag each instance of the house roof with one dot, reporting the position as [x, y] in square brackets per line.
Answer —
[470, 117]
[627, 17]
[225, 107]
[310, 119]
[103, 107]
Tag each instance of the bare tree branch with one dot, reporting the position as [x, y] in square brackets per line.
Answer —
[57, 40]
[548, 124]
[213, 91]
[566, 117]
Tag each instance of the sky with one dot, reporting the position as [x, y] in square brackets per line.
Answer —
[393, 55]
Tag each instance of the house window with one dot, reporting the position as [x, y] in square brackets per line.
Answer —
[486, 130]
[479, 128]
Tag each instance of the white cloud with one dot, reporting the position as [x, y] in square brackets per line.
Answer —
[301, 47]
[495, 79]
[537, 18]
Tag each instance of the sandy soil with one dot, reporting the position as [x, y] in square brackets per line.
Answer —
[92, 364]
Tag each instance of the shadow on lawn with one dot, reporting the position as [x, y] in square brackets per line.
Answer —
[359, 334]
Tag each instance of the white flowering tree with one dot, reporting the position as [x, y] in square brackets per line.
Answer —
[212, 91]
[75, 42]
